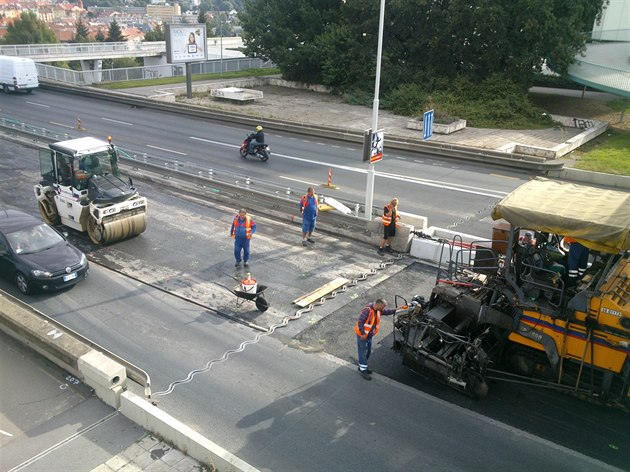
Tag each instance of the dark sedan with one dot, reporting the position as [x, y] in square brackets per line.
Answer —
[37, 256]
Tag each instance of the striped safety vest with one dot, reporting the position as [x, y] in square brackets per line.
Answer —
[387, 218]
[373, 321]
[247, 223]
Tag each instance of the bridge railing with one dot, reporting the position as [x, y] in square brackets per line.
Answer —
[215, 66]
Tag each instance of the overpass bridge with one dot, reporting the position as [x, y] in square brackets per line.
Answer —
[216, 47]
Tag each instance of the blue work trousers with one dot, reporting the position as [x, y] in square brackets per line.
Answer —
[241, 244]
[365, 348]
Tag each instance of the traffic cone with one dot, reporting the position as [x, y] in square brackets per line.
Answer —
[79, 127]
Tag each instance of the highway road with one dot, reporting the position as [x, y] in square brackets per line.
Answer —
[449, 193]
[278, 404]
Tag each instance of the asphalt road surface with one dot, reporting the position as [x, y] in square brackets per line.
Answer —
[293, 401]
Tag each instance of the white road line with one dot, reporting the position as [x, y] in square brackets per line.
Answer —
[38, 104]
[298, 180]
[215, 142]
[116, 121]
[167, 150]
[61, 124]
[404, 178]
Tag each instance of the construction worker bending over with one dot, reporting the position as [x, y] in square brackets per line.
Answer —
[366, 327]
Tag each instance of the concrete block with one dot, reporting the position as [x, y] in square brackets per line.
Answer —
[181, 436]
[107, 377]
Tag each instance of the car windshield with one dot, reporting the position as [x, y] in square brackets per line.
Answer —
[33, 239]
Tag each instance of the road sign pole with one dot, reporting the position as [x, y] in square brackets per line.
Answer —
[369, 194]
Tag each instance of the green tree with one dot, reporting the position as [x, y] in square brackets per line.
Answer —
[114, 33]
[156, 34]
[27, 29]
[99, 37]
[425, 41]
[82, 33]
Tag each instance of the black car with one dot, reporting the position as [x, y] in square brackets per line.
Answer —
[36, 256]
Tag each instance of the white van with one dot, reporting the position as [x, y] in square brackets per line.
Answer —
[18, 74]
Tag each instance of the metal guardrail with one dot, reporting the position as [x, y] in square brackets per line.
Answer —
[134, 372]
[226, 180]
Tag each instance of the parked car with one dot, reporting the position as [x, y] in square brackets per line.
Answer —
[18, 74]
[36, 255]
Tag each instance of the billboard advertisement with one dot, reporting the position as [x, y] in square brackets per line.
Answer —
[186, 43]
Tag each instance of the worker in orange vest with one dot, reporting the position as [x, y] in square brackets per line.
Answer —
[365, 328]
[309, 209]
[390, 221]
[243, 227]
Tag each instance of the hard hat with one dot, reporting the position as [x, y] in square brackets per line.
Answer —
[259, 128]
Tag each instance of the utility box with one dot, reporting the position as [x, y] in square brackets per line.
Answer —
[500, 237]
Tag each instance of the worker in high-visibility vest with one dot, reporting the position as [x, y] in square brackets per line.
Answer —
[365, 328]
[390, 221]
[243, 227]
[309, 209]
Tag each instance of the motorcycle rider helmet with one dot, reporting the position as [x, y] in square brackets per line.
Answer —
[259, 128]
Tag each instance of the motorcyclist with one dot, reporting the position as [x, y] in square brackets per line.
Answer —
[255, 139]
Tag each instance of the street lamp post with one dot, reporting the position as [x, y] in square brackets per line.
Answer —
[221, 34]
[369, 194]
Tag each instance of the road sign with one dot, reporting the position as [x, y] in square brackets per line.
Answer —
[427, 125]
[376, 147]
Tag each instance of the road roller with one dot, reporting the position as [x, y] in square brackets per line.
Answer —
[82, 188]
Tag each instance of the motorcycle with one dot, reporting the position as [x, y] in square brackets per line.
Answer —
[261, 151]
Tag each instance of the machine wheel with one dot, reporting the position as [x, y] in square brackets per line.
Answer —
[95, 231]
[49, 215]
[243, 152]
[22, 283]
[262, 304]
[5, 88]
[265, 155]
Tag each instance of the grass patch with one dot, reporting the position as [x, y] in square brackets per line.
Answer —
[182, 79]
[608, 153]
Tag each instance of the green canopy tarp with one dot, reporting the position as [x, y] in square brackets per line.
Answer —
[597, 218]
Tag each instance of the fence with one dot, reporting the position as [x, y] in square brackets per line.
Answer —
[148, 72]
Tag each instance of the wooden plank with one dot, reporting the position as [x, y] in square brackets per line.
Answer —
[306, 300]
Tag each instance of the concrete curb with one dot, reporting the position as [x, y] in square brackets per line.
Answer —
[108, 379]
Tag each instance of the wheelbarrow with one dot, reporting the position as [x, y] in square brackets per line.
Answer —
[241, 296]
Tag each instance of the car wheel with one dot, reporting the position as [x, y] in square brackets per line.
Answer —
[5, 88]
[23, 283]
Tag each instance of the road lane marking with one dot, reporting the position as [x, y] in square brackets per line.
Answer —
[60, 124]
[167, 150]
[38, 104]
[298, 180]
[429, 183]
[504, 176]
[116, 121]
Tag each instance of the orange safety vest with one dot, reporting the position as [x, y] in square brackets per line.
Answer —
[373, 320]
[387, 218]
[304, 201]
[248, 226]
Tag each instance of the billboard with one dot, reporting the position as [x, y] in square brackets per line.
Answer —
[186, 43]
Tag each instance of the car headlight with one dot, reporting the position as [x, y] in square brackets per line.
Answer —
[83, 259]
[40, 273]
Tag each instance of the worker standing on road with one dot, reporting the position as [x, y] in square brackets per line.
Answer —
[242, 229]
[366, 327]
[309, 210]
[390, 221]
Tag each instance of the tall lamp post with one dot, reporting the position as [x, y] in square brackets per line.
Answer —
[369, 194]
[221, 34]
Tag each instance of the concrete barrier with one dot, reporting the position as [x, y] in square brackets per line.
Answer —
[109, 381]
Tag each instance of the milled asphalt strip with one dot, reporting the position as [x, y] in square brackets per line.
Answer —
[44, 453]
